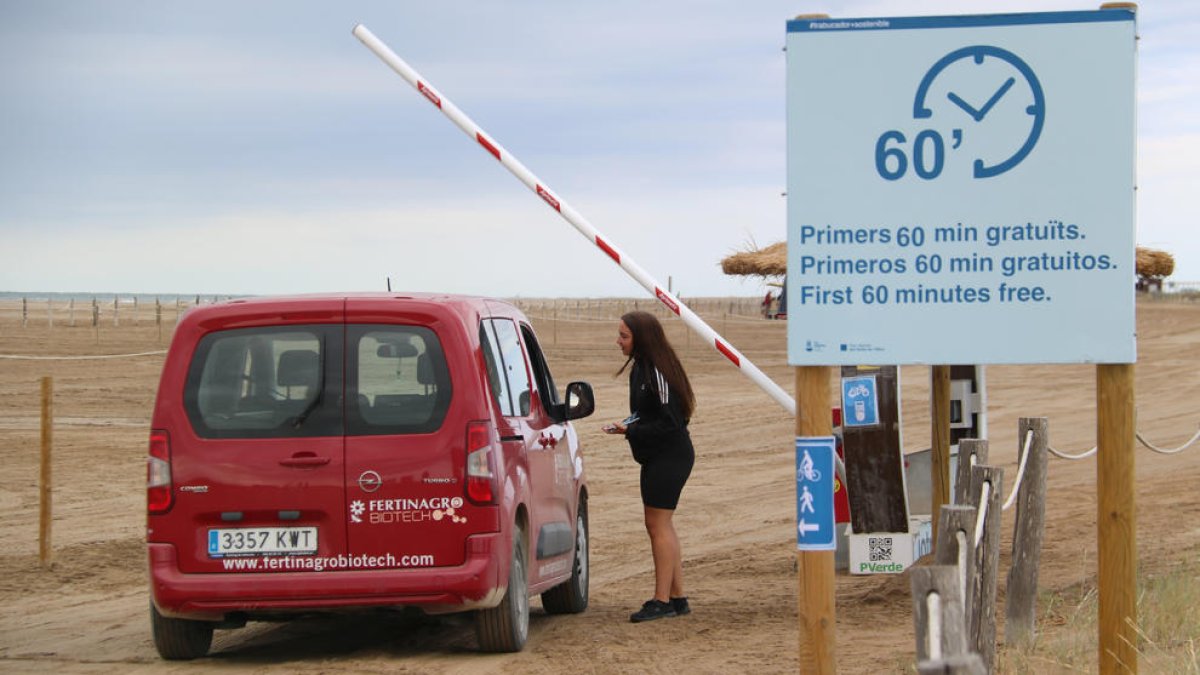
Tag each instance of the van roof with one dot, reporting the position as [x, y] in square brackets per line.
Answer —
[462, 305]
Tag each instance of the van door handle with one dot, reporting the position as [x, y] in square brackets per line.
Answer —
[304, 461]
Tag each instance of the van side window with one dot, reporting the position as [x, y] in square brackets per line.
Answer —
[266, 382]
[512, 365]
[492, 360]
[398, 381]
[541, 371]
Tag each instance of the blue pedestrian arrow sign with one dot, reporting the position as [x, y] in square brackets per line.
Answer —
[814, 493]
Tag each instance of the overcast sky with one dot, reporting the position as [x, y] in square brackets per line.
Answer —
[241, 147]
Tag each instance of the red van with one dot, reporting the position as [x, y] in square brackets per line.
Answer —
[330, 452]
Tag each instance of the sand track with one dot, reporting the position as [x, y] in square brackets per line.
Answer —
[89, 614]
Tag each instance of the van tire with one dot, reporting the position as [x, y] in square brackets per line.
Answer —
[571, 596]
[180, 639]
[505, 627]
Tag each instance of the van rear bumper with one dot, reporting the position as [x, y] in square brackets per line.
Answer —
[478, 583]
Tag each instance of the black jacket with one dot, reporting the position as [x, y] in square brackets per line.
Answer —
[660, 428]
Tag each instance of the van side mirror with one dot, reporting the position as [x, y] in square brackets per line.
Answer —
[580, 401]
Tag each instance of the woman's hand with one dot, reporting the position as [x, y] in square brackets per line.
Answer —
[614, 428]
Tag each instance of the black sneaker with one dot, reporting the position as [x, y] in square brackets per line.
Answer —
[653, 609]
[680, 605]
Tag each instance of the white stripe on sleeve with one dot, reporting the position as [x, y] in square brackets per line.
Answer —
[664, 392]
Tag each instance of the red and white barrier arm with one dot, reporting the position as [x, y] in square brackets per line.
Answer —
[572, 216]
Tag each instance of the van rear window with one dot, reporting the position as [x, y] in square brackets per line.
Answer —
[286, 382]
[398, 379]
[266, 382]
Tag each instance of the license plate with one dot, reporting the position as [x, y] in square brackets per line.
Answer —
[261, 541]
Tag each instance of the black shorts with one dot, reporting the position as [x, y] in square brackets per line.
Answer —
[664, 476]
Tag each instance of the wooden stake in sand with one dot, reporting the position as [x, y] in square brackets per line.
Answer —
[44, 550]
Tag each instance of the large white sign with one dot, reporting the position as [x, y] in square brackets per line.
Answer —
[961, 189]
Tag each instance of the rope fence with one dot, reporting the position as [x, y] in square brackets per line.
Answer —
[967, 555]
[22, 357]
[1142, 439]
[959, 630]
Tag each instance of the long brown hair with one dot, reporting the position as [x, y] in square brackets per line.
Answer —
[650, 345]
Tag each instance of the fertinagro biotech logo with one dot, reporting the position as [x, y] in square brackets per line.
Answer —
[407, 510]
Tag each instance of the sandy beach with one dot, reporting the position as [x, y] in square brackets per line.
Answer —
[88, 614]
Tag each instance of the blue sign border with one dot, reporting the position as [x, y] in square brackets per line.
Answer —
[966, 21]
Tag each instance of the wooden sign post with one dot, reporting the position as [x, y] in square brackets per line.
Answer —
[816, 600]
[939, 455]
[1116, 531]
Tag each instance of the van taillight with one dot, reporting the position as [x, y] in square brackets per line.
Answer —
[481, 463]
[159, 494]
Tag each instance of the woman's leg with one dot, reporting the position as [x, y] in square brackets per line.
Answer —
[668, 560]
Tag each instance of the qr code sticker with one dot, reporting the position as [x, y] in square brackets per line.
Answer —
[880, 548]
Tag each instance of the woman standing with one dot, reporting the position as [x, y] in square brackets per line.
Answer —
[660, 403]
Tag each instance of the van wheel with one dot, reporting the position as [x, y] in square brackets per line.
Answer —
[571, 596]
[180, 639]
[505, 627]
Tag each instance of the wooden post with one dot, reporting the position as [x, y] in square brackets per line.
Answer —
[987, 563]
[50, 313]
[950, 638]
[135, 310]
[816, 599]
[968, 448]
[939, 456]
[24, 312]
[116, 310]
[45, 554]
[1115, 524]
[158, 317]
[1020, 610]
[955, 521]
[72, 312]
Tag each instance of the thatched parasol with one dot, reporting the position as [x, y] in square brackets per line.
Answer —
[1152, 263]
[767, 262]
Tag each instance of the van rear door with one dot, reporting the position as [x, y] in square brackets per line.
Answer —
[259, 480]
[405, 443]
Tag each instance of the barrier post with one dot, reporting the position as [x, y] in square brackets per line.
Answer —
[939, 455]
[1020, 609]
[1115, 524]
[816, 599]
[44, 486]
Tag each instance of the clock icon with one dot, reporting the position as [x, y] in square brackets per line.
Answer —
[1008, 78]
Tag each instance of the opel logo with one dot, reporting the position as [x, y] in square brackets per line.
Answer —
[369, 481]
